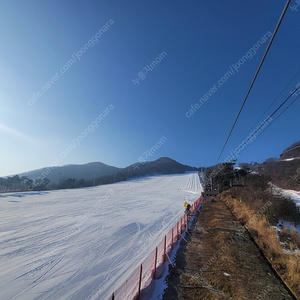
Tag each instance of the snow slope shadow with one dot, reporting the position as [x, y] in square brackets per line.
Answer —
[24, 194]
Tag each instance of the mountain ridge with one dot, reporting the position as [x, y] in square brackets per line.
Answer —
[90, 174]
[291, 152]
[162, 165]
[76, 171]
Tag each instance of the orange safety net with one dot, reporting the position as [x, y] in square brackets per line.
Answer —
[140, 284]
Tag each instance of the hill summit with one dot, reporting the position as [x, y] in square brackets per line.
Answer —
[86, 171]
[163, 165]
[291, 152]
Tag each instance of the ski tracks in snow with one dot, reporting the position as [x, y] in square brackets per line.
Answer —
[52, 248]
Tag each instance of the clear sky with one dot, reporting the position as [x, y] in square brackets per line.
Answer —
[67, 71]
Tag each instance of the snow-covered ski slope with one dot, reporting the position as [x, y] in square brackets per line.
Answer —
[84, 243]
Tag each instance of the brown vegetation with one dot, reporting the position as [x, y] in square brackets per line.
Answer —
[285, 174]
[221, 261]
[255, 218]
[257, 194]
[290, 238]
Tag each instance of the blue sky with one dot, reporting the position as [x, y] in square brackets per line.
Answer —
[81, 57]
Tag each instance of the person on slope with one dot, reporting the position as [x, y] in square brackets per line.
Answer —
[187, 207]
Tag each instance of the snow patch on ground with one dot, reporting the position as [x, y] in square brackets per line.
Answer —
[283, 223]
[289, 159]
[294, 195]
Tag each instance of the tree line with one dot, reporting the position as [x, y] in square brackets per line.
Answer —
[17, 183]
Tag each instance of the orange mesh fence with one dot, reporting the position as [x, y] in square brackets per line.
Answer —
[175, 235]
[140, 284]
[160, 259]
[129, 290]
[147, 276]
[182, 224]
[169, 243]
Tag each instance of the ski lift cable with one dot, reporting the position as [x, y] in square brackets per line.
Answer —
[280, 114]
[294, 92]
[270, 105]
[270, 117]
[255, 76]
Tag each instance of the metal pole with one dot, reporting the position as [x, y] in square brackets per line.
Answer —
[187, 223]
[165, 247]
[181, 225]
[140, 283]
[155, 262]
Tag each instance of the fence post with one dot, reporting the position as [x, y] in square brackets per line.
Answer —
[140, 282]
[155, 262]
[181, 225]
[165, 248]
[187, 224]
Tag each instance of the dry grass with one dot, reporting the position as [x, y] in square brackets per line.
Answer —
[291, 237]
[286, 265]
[293, 272]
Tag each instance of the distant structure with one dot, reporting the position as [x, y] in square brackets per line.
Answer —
[209, 193]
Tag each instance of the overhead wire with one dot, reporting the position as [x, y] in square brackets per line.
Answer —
[255, 76]
[281, 113]
[276, 110]
[292, 94]
[271, 104]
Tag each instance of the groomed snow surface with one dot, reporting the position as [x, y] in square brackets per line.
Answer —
[84, 243]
